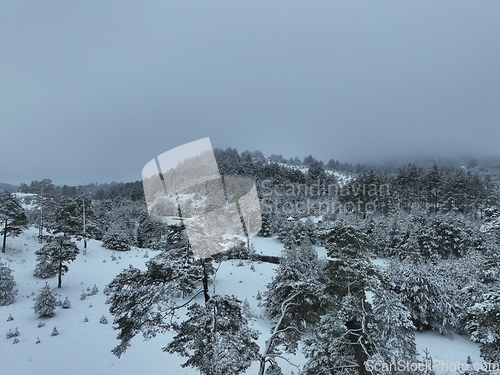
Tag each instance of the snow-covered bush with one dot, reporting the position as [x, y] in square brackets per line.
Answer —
[11, 334]
[66, 304]
[45, 303]
[45, 267]
[94, 291]
[116, 240]
[8, 290]
[55, 332]
[103, 320]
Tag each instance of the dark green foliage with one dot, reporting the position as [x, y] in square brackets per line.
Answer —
[13, 219]
[143, 301]
[45, 303]
[116, 240]
[52, 257]
[299, 275]
[484, 325]
[215, 338]
[8, 290]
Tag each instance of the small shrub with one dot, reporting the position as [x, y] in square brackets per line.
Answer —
[11, 334]
[66, 304]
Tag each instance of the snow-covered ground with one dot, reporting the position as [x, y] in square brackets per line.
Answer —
[85, 347]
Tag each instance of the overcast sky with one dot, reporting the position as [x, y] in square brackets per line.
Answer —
[90, 91]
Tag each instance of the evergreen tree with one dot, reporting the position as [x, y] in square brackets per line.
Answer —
[215, 337]
[45, 266]
[45, 303]
[299, 274]
[329, 350]
[7, 285]
[67, 218]
[143, 301]
[116, 239]
[392, 330]
[53, 256]
[422, 290]
[484, 326]
[13, 219]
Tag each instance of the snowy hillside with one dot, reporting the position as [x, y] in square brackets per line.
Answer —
[84, 347]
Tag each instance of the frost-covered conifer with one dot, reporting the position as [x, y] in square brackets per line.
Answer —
[299, 274]
[116, 239]
[484, 325]
[66, 304]
[45, 303]
[218, 327]
[8, 289]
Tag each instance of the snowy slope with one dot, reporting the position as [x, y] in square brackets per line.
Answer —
[85, 348]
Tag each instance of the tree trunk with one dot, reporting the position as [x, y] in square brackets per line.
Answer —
[59, 282]
[205, 282]
[4, 236]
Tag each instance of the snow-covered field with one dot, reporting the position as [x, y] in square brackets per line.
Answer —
[85, 347]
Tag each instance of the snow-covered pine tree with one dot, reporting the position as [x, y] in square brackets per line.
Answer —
[266, 226]
[53, 256]
[66, 304]
[67, 218]
[329, 350]
[8, 289]
[149, 233]
[484, 326]
[350, 276]
[45, 303]
[299, 274]
[428, 298]
[143, 301]
[215, 338]
[392, 331]
[45, 267]
[13, 219]
[116, 239]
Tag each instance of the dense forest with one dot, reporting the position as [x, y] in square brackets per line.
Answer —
[436, 227]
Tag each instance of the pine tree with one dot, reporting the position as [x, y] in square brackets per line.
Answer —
[67, 218]
[45, 303]
[484, 325]
[429, 300]
[215, 338]
[53, 256]
[116, 239]
[142, 301]
[8, 290]
[45, 267]
[392, 329]
[66, 304]
[329, 351]
[299, 274]
[13, 219]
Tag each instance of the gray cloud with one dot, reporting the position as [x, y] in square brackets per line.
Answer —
[93, 91]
